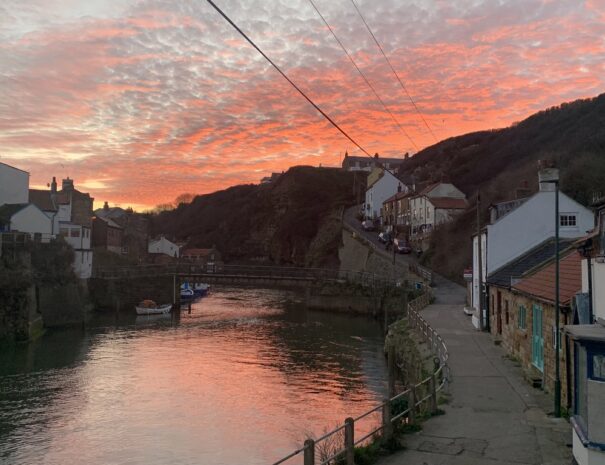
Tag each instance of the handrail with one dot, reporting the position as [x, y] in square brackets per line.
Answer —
[431, 385]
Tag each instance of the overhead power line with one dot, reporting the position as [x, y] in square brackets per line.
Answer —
[243, 34]
[369, 84]
[393, 70]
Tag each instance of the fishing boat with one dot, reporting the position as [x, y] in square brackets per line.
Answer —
[187, 294]
[149, 307]
[201, 289]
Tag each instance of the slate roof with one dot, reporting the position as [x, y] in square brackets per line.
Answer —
[112, 212]
[447, 203]
[528, 261]
[541, 284]
[110, 222]
[41, 198]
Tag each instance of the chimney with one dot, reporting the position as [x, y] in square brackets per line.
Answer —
[399, 188]
[522, 191]
[68, 185]
[546, 176]
[53, 186]
[376, 155]
[106, 206]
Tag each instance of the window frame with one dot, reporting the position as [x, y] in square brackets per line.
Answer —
[522, 317]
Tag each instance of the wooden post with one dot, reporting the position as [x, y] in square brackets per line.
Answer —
[412, 405]
[391, 368]
[350, 441]
[309, 453]
[387, 425]
[433, 388]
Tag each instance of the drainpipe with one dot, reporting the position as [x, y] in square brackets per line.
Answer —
[590, 313]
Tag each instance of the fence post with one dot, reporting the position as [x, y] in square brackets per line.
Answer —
[309, 454]
[387, 425]
[350, 441]
[412, 405]
[391, 368]
[433, 387]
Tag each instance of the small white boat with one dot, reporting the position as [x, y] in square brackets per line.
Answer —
[149, 307]
[187, 294]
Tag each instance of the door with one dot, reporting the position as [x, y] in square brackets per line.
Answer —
[537, 338]
[499, 313]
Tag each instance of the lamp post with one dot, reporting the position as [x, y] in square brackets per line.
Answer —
[551, 176]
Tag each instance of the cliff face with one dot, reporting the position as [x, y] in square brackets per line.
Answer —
[295, 220]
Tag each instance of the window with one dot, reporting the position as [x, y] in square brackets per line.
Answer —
[568, 220]
[598, 367]
[522, 318]
[75, 233]
[64, 232]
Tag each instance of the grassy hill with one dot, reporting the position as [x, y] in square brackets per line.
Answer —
[498, 161]
[292, 221]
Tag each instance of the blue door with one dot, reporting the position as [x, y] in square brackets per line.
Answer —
[537, 346]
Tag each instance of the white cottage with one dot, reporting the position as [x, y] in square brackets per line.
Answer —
[14, 185]
[164, 246]
[25, 218]
[522, 224]
[382, 184]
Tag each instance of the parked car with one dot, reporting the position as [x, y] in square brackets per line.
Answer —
[368, 225]
[384, 237]
[402, 246]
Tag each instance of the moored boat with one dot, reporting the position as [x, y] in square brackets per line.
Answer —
[201, 289]
[187, 294]
[149, 307]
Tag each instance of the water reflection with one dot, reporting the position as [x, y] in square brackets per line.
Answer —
[238, 381]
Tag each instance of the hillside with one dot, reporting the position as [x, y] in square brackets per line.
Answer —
[498, 161]
[293, 221]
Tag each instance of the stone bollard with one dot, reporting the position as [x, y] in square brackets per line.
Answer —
[309, 453]
[387, 425]
[433, 388]
[350, 441]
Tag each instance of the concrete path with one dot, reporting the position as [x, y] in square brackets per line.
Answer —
[494, 416]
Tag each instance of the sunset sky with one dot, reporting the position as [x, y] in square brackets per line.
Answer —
[140, 101]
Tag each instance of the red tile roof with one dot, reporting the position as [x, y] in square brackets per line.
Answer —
[397, 196]
[542, 283]
[447, 203]
[196, 252]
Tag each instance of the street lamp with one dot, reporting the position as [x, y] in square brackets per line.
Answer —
[551, 176]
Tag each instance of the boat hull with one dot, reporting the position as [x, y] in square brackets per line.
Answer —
[159, 310]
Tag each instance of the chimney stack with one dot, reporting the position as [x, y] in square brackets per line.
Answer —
[68, 185]
[106, 206]
[53, 186]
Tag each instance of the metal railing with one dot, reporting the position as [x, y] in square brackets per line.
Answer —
[338, 445]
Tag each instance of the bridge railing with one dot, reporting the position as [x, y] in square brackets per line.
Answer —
[337, 446]
[259, 271]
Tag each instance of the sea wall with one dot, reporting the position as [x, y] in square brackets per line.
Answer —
[124, 294]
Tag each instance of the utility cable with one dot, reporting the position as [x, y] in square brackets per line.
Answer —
[369, 84]
[243, 34]
[394, 72]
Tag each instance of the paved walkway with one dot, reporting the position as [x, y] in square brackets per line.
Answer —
[494, 416]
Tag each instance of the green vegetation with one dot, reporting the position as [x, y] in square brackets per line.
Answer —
[294, 220]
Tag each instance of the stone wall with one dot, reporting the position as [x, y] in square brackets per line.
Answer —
[357, 254]
[124, 294]
[518, 341]
[64, 305]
